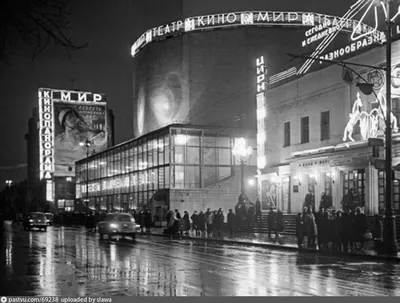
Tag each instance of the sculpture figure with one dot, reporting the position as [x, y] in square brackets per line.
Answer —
[354, 118]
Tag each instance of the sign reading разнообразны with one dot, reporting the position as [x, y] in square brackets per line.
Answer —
[53, 299]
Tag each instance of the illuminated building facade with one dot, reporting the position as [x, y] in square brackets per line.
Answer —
[181, 167]
[324, 135]
[62, 120]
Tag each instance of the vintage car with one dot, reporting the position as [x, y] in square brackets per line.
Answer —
[117, 224]
[35, 219]
[49, 218]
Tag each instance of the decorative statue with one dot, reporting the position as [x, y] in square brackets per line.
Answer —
[354, 117]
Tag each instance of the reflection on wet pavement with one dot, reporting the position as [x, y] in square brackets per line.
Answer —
[72, 261]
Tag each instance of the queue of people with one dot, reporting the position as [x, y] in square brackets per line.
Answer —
[336, 230]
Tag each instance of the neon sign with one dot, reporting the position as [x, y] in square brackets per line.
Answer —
[47, 98]
[235, 19]
[262, 72]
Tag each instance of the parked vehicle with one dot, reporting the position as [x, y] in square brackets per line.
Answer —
[118, 224]
[35, 219]
[49, 218]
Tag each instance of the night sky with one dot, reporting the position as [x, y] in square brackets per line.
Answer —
[109, 27]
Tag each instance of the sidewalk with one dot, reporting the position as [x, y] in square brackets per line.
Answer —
[286, 242]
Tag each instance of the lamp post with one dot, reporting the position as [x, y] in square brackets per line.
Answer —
[87, 143]
[390, 220]
[242, 154]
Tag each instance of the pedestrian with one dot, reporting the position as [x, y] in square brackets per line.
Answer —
[201, 221]
[319, 217]
[280, 224]
[209, 216]
[309, 201]
[194, 219]
[312, 231]
[231, 222]
[348, 200]
[258, 209]
[169, 215]
[219, 222]
[339, 231]
[250, 215]
[148, 221]
[299, 230]
[177, 214]
[271, 222]
[142, 219]
[377, 233]
[360, 228]
[186, 223]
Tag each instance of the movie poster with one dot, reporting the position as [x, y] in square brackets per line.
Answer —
[269, 195]
[74, 124]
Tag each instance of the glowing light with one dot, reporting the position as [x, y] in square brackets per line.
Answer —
[252, 182]
[261, 162]
[241, 149]
[180, 139]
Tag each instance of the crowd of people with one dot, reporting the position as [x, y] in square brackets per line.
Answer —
[337, 230]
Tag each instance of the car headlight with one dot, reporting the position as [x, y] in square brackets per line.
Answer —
[30, 220]
[113, 225]
[133, 220]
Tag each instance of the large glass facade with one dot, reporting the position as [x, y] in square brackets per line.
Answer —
[126, 177]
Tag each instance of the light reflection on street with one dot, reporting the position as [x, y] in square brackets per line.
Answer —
[71, 261]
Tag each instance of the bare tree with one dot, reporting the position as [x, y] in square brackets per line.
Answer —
[35, 23]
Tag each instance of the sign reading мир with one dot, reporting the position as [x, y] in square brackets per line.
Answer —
[46, 122]
[261, 18]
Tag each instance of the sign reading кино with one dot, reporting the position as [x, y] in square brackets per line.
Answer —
[316, 21]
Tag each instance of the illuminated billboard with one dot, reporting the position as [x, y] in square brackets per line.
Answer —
[66, 119]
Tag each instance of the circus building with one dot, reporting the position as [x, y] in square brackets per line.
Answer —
[325, 137]
[194, 82]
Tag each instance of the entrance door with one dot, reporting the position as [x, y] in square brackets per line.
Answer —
[355, 180]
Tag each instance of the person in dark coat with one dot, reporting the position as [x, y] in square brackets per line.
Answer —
[250, 215]
[339, 231]
[319, 217]
[231, 222]
[299, 230]
[219, 222]
[377, 233]
[194, 218]
[348, 200]
[312, 231]
[142, 219]
[185, 223]
[177, 214]
[360, 227]
[271, 222]
[309, 201]
[258, 210]
[280, 223]
[148, 221]
[201, 221]
[169, 216]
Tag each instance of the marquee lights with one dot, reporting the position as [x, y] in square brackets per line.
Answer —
[234, 19]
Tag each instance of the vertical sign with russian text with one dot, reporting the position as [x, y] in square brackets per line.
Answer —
[261, 110]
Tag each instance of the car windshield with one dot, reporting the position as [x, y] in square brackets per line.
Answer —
[35, 216]
[118, 217]
[49, 215]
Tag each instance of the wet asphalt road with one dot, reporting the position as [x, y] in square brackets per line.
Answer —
[72, 261]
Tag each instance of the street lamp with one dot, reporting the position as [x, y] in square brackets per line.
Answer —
[9, 182]
[242, 154]
[390, 220]
[87, 143]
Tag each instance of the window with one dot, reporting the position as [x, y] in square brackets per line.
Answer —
[355, 181]
[286, 139]
[305, 130]
[325, 131]
[381, 192]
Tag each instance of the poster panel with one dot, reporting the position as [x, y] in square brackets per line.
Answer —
[74, 123]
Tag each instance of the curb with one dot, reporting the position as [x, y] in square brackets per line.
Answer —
[284, 247]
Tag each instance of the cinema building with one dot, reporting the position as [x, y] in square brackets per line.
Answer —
[324, 135]
[194, 87]
[61, 123]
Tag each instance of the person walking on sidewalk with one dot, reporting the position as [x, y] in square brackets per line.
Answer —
[170, 214]
[185, 223]
[360, 226]
[299, 230]
[177, 214]
[209, 221]
[194, 217]
[219, 222]
[201, 221]
[312, 232]
[258, 209]
[231, 222]
[271, 222]
[250, 216]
